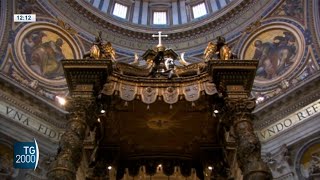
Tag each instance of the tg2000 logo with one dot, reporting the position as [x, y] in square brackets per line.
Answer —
[26, 155]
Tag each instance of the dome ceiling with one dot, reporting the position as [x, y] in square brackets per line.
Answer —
[175, 12]
[191, 37]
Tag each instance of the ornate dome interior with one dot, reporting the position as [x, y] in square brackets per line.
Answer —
[161, 14]
[241, 22]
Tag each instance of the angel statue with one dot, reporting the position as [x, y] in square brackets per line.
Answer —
[210, 51]
[108, 51]
[219, 50]
[100, 50]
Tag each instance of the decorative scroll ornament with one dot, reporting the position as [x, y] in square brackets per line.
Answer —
[109, 88]
[66, 27]
[210, 88]
[171, 95]
[191, 92]
[127, 92]
[149, 95]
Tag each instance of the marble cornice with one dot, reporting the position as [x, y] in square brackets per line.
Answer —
[287, 103]
[13, 94]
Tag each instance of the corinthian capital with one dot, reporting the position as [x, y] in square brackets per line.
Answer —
[240, 104]
[76, 104]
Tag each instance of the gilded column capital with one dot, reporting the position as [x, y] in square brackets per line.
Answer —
[240, 109]
[78, 104]
[238, 105]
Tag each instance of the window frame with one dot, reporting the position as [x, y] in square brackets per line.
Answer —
[160, 11]
[196, 4]
[122, 4]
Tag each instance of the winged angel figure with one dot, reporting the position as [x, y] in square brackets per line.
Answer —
[219, 50]
[100, 50]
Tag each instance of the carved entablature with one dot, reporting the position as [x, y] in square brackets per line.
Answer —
[234, 76]
[84, 76]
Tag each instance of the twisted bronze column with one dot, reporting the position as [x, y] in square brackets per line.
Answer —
[248, 144]
[70, 147]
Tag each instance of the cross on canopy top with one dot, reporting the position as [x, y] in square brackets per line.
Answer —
[159, 35]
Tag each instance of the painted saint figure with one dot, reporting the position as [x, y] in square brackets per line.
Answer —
[44, 57]
[275, 57]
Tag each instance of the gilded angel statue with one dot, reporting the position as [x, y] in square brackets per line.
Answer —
[100, 50]
[108, 51]
[219, 50]
[210, 51]
[95, 52]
